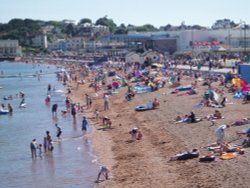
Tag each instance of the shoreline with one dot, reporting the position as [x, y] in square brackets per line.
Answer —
[103, 155]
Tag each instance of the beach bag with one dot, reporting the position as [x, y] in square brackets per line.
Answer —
[207, 158]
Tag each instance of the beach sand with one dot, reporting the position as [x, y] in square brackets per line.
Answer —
[145, 163]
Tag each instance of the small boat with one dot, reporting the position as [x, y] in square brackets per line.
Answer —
[3, 112]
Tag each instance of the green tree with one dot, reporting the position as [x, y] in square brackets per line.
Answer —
[15, 23]
[85, 20]
[106, 22]
[146, 28]
[32, 25]
[121, 29]
[70, 30]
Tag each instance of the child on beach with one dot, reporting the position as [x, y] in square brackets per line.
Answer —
[39, 147]
[97, 114]
[133, 133]
[139, 135]
[103, 171]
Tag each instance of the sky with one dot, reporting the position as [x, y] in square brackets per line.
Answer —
[135, 12]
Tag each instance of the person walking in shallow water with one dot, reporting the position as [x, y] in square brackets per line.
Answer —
[85, 124]
[59, 132]
[33, 146]
[54, 110]
[47, 142]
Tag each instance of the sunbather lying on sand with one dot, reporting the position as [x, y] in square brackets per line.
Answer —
[244, 132]
[217, 115]
[180, 119]
[229, 148]
[186, 155]
[246, 142]
[188, 119]
[242, 121]
[190, 92]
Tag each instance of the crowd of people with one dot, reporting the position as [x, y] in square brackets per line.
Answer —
[132, 75]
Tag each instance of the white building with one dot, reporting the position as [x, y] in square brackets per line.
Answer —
[60, 44]
[10, 48]
[231, 38]
[132, 57]
[39, 41]
[70, 44]
[183, 40]
[75, 43]
[89, 30]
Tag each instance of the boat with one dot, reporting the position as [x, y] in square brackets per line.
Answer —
[3, 112]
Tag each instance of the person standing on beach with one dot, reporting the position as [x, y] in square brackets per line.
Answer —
[106, 102]
[220, 134]
[85, 124]
[97, 114]
[87, 100]
[103, 171]
[210, 65]
[33, 146]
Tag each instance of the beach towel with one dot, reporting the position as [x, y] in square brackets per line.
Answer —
[227, 156]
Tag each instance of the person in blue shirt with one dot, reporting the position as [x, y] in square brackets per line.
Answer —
[85, 124]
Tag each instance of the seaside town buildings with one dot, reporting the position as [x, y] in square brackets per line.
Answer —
[222, 37]
[166, 42]
[10, 48]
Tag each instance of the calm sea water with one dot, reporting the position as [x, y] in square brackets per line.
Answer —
[70, 163]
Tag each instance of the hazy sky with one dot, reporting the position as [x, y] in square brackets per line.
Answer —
[136, 12]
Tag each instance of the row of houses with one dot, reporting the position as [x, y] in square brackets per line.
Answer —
[164, 42]
[10, 48]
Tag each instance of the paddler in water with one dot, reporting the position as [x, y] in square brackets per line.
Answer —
[22, 103]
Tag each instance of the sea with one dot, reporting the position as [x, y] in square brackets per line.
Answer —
[71, 163]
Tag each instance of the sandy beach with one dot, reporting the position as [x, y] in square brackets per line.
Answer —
[145, 163]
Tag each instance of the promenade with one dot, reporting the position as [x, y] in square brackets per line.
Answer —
[206, 69]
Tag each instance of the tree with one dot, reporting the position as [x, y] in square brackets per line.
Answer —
[223, 23]
[197, 27]
[55, 23]
[32, 25]
[146, 28]
[85, 20]
[168, 27]
[70, 30]
[121, 29]
[15, 23]
[106, 22]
